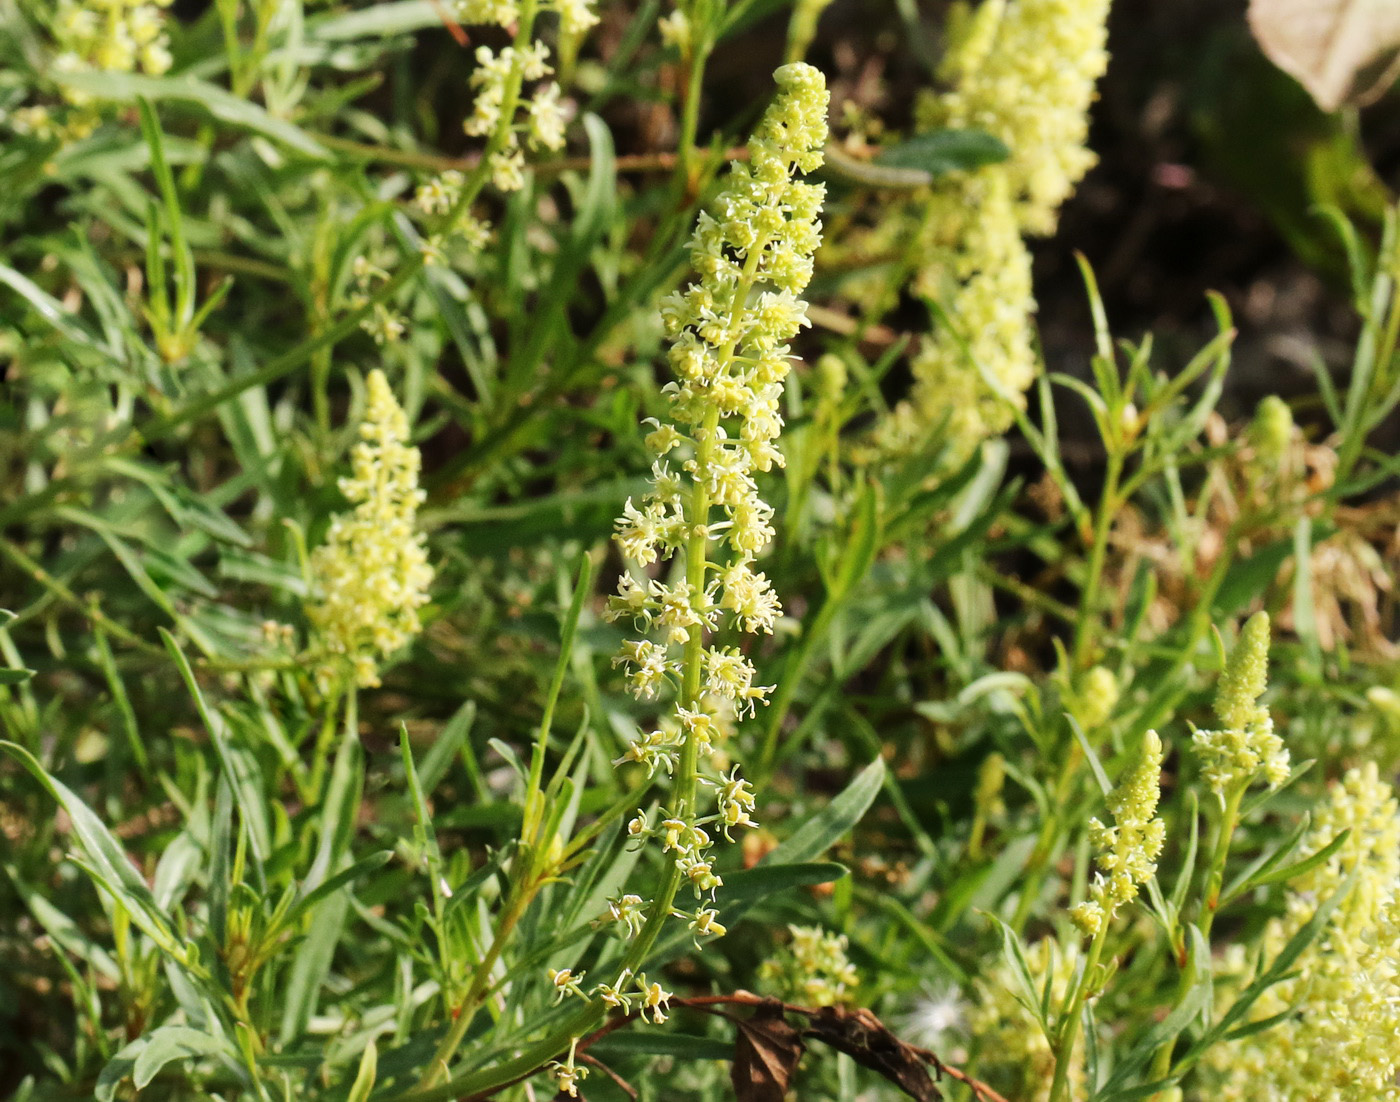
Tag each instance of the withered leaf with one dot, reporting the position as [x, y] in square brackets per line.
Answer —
[766, 1052]
[1339, 50]
[868, 1041]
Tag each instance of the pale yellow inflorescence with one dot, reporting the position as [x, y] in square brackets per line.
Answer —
[1024, 71]
[117, 36]
[537, 121]
[812, 969]
[1341, 1043]
[372, 573]
[981, 277]
[1245, 747]
[753, 252]
[1128, 850]
[511, 121]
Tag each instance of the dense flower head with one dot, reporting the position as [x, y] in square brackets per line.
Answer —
[980, 273]
[117, 36]
[1339, 1043]
[752, 251]
[1246, 746]
[125, 36]
[1127, 851]
[1025, 71]
[729, 329]
[372, 573]
[812, 969]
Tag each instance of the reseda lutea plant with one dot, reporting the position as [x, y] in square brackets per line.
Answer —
[645, 615]
[753, 252]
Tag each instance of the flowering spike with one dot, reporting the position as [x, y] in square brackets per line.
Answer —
[1128, 850]
[372, 573]
[1246, 745]
[1246, 676]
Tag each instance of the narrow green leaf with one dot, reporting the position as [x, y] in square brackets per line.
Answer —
[815, 836]
[364, 1079]
[751, 885]
[940, 152]
[169, 1043]
[107, 861]
[222, 105]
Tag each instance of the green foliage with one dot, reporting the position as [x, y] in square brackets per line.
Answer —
[232, 866]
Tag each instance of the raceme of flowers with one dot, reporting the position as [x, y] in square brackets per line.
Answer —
[982, 278]
[1245, 747]
[119, 36]
[1024, 71]
[812, 969]
[703, 514]
[1340, 1041]
[371, 575]
[510, 122]
[1128, 850]
[497, 79]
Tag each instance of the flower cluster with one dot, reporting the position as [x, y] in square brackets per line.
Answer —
[812, 968]
[510, 122]
[499, 113]
[118, 36]
[1128, 850]
[372, 573]
[1340, 1003]
[1245, 746]
[981, 275]
[753, 252]
[730, 358]
[1024, 71]
[382, 322]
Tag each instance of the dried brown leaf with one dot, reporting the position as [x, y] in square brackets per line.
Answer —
[1339, 50]
[766, 1053]
[868, 1041]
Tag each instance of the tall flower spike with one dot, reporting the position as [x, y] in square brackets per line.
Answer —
[1128, 850]
[753, 252]
[1025, 72]
[372, 573]
[1246, 746]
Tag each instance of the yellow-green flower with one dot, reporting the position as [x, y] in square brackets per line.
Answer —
[372, 573]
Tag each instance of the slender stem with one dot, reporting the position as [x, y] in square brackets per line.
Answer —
[64, 595]
[1067, 1028]
[1210, 903]
[690, 115]
[1103, 523]
[1038, 862]
[320, 755]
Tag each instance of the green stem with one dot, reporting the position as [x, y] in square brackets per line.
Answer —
[1210, 903]
[1038, 862]
[1067, 1028]
[690, 115]
[1084, 630]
